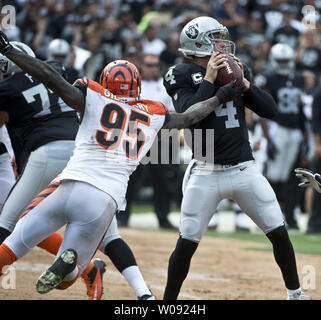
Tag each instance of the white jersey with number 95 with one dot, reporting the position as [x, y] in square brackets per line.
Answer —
[113, 137]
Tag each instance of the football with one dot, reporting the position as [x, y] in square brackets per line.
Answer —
[229, 73]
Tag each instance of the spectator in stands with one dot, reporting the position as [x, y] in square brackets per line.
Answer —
[170, 55]
[99, 58]
[290, 29]
[231, 15]
[151, 43]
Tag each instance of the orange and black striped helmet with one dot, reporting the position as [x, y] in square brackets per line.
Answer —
[122, 79]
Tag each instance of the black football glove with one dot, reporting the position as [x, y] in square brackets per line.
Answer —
[5, 45]
[271, 149]
[229, 92]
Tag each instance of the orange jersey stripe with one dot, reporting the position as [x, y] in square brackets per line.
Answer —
[149, 106]
[95, 86]
[41, 196]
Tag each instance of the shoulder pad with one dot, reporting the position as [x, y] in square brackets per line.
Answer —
[149, 106]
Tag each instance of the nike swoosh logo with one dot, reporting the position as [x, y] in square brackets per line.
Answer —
[242, 169]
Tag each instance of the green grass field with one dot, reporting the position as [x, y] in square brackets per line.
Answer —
[302, 243]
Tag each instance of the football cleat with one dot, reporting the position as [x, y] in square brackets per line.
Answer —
[299, 295]
[53, 276]
[94, 279]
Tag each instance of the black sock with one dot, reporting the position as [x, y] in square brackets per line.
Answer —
[120, 254]
[178, 267]
[284, 256]
[4, 233]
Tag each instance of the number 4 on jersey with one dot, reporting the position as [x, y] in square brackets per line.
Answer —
[169, 76]
[230, 111]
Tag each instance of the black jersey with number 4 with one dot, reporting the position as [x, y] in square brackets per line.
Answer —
[185, 84]
[36, 115]
[287, 92]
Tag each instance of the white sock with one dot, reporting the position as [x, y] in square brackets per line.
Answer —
[134, 277]
[72, 275]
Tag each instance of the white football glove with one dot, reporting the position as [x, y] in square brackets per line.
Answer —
[309, 179]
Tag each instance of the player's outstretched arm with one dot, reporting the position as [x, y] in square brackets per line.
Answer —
[201, 110]
[44, 73]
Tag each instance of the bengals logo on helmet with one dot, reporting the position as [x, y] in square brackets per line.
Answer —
[122, 79]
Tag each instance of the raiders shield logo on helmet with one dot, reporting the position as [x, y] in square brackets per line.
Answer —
[192, 32]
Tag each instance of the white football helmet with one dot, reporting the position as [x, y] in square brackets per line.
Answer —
[204, 35]
[59, 49]
[7, 67]
[282, 59]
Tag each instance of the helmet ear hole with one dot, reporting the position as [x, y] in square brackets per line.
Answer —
[198, 45]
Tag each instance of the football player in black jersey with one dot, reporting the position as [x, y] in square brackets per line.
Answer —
[232, 174]
[288, 128]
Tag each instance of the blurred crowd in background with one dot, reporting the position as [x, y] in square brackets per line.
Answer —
[97, 32]
[104, 30]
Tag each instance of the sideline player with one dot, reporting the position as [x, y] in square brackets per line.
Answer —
[288, 130]
[116, 131]
[233, 174]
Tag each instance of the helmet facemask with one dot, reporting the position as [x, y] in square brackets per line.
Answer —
[60, 50]
[221, 42]
[283, 66]
[4, 65]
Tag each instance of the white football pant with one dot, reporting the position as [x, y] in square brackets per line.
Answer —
[205, 185]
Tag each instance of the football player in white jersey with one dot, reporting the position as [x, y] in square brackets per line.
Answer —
[116, 131]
